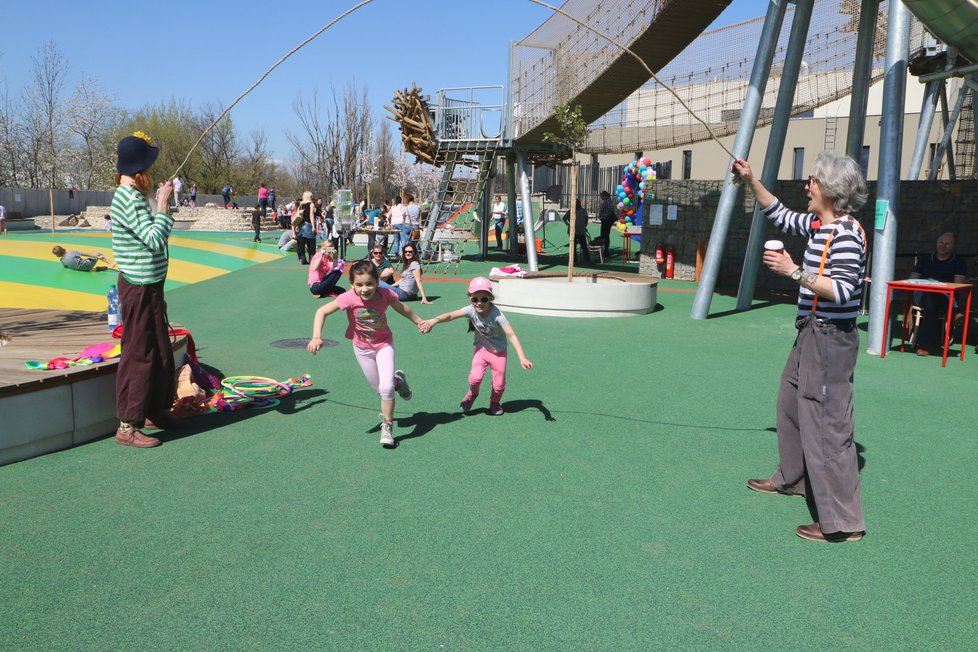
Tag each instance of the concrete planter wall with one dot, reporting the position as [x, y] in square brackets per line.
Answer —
[589, 295]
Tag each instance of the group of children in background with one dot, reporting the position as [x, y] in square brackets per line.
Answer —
[366, 305]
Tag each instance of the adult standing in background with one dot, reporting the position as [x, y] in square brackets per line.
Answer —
[177, 190]
[607, 217]
[145, 379]
[580, 229]
[3, 220]
[397, 219]
[226, 195]
[816, 430]
[262, 200]
[302, 226]
[271, 198]
[499, 219]
[412, 213]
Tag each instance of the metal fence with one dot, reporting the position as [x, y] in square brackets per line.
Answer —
[469, 113]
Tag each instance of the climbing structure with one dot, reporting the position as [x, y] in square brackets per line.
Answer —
[459, 133]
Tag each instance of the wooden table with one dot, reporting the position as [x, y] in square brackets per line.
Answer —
[924, 285]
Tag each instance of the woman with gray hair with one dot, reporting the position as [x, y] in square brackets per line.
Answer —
[816, 447]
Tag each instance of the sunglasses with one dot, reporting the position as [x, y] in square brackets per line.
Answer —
[480, 299]
[377, 253]
[409, 251]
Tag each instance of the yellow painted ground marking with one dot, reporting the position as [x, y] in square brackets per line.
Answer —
[253, 255]
[21, 295]
[180, 270]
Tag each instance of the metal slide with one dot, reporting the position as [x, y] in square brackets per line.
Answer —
[953, 21]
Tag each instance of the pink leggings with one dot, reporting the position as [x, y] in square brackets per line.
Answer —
[378, 369]
[482, 359]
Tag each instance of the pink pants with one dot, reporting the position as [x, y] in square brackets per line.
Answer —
[482, 359]
[378, 369]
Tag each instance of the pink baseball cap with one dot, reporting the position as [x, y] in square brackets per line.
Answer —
[480, 284]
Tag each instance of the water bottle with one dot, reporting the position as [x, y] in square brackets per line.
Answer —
[114, 313]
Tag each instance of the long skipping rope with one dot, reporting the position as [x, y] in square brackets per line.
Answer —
[262, 78]
[366, 2]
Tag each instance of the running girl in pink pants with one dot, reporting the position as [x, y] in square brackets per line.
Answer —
[492, 330]
[373, 343]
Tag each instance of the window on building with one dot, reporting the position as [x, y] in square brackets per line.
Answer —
[864, 160]
[687, 164]
[663, 170]
[798, 164]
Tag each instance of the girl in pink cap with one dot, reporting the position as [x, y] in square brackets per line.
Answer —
[492, 330]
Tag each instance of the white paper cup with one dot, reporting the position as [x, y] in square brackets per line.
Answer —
[774, 245]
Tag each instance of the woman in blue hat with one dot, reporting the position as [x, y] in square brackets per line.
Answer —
[145, 381]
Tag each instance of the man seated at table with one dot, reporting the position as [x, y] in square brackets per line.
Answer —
[78, 260]
[944, 266]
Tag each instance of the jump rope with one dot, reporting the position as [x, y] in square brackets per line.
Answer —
[366, 2]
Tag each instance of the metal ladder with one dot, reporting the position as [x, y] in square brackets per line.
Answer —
[831, 128]
[964, 143]
[449, 226]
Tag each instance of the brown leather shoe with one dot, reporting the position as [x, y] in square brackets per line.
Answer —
[167, 422]
[135, 437]
[767, 487]
[813, 532]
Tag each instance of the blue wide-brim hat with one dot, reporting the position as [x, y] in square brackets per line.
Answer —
[135, 155]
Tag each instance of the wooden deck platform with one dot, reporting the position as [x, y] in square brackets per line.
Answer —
[50, 410]
[43, 335]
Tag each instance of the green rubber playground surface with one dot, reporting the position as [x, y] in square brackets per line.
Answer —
[605, 510]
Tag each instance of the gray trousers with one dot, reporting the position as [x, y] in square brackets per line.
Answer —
[817, 453]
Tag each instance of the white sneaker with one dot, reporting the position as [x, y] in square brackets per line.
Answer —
[401, 385]
[387, 434]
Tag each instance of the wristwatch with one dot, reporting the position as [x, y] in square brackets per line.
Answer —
[796, 275]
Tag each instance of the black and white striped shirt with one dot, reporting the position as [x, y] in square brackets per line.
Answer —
[844, 265]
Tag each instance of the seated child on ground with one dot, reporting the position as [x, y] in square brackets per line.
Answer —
[324, 271]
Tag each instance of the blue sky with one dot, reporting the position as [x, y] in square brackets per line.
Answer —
[210, 52]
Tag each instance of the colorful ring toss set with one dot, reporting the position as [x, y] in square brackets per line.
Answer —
[254, 391]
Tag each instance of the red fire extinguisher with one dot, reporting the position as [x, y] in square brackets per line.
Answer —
[670, 262]
[660, 256]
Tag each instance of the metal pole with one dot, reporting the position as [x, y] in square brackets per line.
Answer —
[528, 227]
[948, 132]
[741, 148]
[928, 110]
[511, 202]
[775, 146]
[888, 186]
[861, 74]
[949, 72]
[944, 120]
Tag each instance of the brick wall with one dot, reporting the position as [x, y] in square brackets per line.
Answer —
[927, 209]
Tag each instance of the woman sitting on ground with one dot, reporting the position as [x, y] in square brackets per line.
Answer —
[409, 286]
[383, 265]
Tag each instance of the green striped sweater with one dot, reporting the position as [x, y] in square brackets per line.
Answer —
[139, 237]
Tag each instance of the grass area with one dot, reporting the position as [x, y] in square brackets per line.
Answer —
[606, 509]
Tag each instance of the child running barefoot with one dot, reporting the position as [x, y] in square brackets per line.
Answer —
[492, 329]
[373, 343]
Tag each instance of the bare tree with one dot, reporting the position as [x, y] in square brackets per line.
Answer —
[94, 120]
[331, 142]
[42, 117]
[11, 145]
[425, 179]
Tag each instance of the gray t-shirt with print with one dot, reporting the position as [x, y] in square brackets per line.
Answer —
[489, 333]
